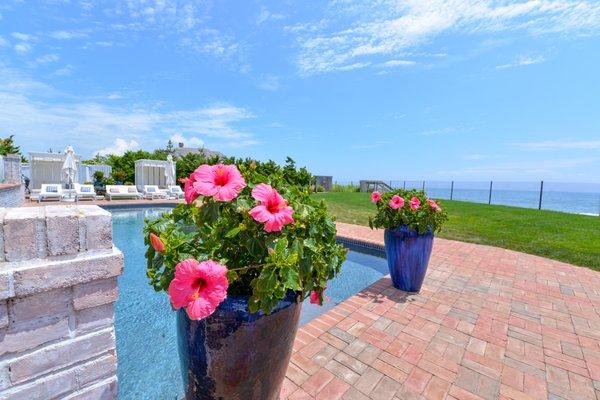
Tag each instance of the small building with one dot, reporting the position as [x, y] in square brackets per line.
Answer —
[151, 172]
[181, 151]
[326, 182]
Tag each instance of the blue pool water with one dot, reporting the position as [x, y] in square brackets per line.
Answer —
[145, 323]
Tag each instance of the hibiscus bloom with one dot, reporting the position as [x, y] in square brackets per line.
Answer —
[396, 202]
[190, 193]
[273, 210]
[156, 243]
[222, 182]
[199, 287]
[375, 197]
[434, 205]
[414, 203]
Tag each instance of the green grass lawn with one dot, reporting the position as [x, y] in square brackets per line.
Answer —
[566, 237]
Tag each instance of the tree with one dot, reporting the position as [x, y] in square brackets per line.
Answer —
[170, 148]
[7, 146]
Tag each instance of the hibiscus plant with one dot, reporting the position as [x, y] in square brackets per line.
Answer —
[248, 229]
[411, 208]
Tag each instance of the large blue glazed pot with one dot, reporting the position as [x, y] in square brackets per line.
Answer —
[236, 355]
[407, 254]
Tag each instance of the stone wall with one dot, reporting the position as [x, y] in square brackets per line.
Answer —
[11, 195]
[58, 285]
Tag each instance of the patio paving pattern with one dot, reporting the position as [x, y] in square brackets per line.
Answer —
[489, 323]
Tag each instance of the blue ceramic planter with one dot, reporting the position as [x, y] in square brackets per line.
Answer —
[408, 256]
[236, 355]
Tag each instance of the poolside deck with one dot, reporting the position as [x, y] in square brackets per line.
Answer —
[489, 324]
[108, 203]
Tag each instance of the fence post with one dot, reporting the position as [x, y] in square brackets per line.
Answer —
[451, 189]
[490, 198]
[404, 185]
[541, 194]
[391, 185]
[423, 185]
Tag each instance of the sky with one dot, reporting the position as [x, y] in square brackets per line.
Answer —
[376, 89]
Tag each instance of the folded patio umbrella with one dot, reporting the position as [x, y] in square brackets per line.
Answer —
[69, 168]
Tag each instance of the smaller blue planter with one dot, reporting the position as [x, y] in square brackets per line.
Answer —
[408, 256]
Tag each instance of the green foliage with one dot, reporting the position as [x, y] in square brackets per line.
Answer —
[7, 146]
[187, 164]
[98, 176]
[420, 219]
[302, 257]
[344, 188]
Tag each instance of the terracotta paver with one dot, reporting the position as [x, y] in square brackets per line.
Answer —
[489, 323]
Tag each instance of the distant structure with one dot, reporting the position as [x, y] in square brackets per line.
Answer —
[181, 151]
[326, 182]
[373, 185]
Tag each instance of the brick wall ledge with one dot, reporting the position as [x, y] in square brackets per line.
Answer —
[9, 185]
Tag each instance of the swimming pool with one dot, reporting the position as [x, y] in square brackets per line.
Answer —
[145, 323]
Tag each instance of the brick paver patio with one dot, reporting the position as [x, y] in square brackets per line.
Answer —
[489, 324]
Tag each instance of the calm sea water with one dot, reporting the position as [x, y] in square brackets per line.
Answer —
[145, 323]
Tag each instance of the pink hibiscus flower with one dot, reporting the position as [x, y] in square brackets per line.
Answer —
[199, 287]
[375, 197]
[414, 203]
[434, 205]
[396, 202]
[273, 209]
[190, 193]
[156, 243]
[222, 182]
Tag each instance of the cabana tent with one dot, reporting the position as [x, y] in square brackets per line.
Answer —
[47, 168]
[151, 172]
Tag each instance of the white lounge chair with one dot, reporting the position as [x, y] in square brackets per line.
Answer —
[50, 192]
[176, 192]
[84, 192]
[122, 192]
[153, 192]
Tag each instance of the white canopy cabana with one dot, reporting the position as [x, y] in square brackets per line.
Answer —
[46, 168]
[85, 172]
[152, 172]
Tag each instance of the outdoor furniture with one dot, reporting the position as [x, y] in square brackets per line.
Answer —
[122, 192]
[153, 192]
[175, 192]
[84, 192]
[50, 192]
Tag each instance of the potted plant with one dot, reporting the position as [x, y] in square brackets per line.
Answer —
[237, 260]
[410, 220]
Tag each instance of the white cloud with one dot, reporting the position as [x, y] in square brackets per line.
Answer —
[24, 37]
[3, 42]
[119, 147]
[560, 145]
[191, 141]
[522, 61]
[266, 15]
[269, 82]
[23, 48]
[358, 33]
[67, 35]
[64, 71]
[397, 63]
[47, 58]
[434, 132]
[114, 96]
[43, 117]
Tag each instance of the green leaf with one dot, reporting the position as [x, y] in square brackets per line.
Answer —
[233, 232]
[292, 280]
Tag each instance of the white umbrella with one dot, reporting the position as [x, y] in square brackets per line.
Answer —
[69, 168]
[170, 171]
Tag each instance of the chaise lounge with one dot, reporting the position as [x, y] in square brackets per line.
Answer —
[83, 192]
[122, 192]
[50, 192]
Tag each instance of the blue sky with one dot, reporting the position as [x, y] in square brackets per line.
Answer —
[406, 89]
